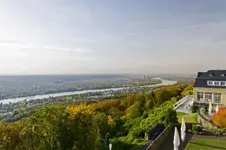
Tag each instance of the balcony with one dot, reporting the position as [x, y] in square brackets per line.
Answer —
[184, 105]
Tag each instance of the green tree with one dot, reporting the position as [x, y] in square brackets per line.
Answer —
[133, 111]
[149, 104]
[101, 119]
[171, 117]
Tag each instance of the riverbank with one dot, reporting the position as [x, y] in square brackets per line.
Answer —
[27, 86]
[13, 100]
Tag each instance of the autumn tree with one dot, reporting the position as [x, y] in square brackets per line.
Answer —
[83, 127]
[219, 118]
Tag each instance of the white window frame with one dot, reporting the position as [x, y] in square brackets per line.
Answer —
[219, 100]
[216, 83]
[200, 94]
[224, 83]
[210, 83]
[208, 97]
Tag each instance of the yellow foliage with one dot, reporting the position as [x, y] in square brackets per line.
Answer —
[123, 118]
[111, 121]
[188, 90]
[81, 110]
[106, 105]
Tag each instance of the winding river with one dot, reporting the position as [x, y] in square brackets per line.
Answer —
[13, 100]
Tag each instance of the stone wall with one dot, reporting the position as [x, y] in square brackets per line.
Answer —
[204, 122]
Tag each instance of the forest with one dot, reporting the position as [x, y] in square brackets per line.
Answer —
[92, 124]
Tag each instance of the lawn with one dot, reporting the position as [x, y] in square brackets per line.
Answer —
[206, 144]
[189, 118]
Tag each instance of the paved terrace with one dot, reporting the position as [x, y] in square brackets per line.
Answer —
[184, 104]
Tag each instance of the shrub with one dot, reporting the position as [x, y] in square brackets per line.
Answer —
[219, 118]
[196, 129]
[178, 125]
[218, 131]
[138, 133]
[206, 108]
[203, 113]
[224, 134]
[162, 118]
[145, 114]
[120, 143]
[194, 108]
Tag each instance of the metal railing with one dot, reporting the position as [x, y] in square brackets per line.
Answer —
[188, 98]
[187, 101]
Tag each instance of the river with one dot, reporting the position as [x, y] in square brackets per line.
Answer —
[13, 100]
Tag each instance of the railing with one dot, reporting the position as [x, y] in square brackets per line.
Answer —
[188, 98]
[180, 101]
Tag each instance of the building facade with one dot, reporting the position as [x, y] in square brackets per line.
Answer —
[210, 86]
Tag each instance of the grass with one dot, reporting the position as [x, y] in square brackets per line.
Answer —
[206, 144]
[188, 118]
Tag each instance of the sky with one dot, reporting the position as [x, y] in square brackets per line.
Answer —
[112, 36]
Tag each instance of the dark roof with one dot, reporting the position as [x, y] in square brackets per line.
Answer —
[210, 75]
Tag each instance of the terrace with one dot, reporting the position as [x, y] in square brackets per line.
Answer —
[184, 105]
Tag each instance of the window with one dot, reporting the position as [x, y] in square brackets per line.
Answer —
[217, 98]
[208, 97]
[217, 83]
[223, 75]
[209, 82]
[223, 83]
[200, 96]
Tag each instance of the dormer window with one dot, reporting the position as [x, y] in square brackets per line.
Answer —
[223, 75]
[210, 83]
[211, 75]
[223, 83]
[217, 83]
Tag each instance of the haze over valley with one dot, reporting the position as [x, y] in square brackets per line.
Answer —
[112, 74]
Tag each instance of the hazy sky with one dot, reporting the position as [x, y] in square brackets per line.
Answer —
[112, 36]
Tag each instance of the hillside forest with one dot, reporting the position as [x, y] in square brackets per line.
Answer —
[92, 124]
